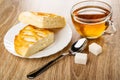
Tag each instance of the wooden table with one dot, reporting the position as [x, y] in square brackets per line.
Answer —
[106, 66]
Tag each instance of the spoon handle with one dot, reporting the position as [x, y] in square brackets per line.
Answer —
[38, 71]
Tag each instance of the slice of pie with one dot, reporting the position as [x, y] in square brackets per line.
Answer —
[31, 40]
[42, 20]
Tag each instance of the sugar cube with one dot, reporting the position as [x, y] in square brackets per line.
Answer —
[95, 49]
[80, 58]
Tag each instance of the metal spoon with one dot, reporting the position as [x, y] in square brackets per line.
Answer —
[78, 46]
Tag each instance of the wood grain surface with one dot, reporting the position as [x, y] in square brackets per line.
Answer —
[106, 66]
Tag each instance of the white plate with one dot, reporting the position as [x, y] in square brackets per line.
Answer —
[62, 39]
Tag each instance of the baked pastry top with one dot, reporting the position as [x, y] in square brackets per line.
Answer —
[32, 39]
[42, 20]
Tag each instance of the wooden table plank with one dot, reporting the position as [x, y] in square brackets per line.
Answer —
[106, 66]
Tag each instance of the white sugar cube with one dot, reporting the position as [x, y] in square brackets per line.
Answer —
[80, 58]
[95, 48]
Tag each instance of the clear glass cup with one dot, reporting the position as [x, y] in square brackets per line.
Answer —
[92, 19]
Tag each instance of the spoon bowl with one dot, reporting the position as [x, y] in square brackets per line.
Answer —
[78, 46]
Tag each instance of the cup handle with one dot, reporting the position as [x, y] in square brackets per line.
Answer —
[111, 30]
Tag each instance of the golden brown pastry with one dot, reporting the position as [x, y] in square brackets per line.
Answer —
[42, 20]
[31, 39]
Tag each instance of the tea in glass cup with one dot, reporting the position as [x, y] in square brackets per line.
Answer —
[92, 18]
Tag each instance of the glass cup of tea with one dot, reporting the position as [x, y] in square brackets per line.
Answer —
[92, 19]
